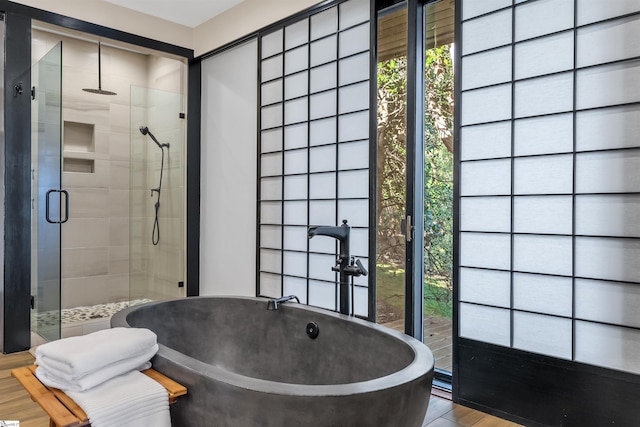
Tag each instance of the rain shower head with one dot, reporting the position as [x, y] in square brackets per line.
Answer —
[99, 91]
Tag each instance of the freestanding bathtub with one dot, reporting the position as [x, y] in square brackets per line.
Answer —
[245, 366]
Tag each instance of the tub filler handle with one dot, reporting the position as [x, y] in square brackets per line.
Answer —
[273, 304]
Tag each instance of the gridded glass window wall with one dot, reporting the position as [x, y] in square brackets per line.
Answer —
[550, 178]
[314, 152]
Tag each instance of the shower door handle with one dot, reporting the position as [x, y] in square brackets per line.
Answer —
[66, 207]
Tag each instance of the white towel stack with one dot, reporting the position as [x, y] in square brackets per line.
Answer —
[100, 372]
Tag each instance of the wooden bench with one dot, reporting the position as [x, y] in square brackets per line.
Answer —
[62, 410]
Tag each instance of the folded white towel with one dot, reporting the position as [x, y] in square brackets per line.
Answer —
[58, 379]
[129, 400]
[78, 356]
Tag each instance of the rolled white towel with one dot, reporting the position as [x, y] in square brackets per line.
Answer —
[58, 379]
[78, 356]
[131, 399]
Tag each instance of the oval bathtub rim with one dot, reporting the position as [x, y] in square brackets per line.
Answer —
[421, 365]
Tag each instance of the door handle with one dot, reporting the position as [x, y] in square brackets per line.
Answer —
[406, 228]
[66, 207]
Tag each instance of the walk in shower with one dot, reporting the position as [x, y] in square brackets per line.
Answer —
[97, 172]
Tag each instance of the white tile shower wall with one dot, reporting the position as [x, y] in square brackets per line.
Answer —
[319, 174]
[549, 239]
[95, 240]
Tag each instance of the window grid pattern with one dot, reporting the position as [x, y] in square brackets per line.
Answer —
[314, 152]
[549, 178]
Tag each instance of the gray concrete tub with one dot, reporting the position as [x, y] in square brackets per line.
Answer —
[247, 366]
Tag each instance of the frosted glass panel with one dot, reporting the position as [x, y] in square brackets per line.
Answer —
[271, 212]
[361, 301]
[609, 41]
[487, 32]
[543, 214]
[323, 186]
[295, 238]
[295, 263]
[485, 141]
[597, 10]
[353, 98]
[271, 116]
[608, 302]
[544, 95]
[271, 140]
[295, 136]
[295, 111]
[608, 85]
[295, 187]
[354, 40]
[543, 175]
[613, 172]
[295, 286]
[323, 51]
[544, 135]
[486, 177]
[353, 155]
[488, 324]
[543, 17]
[359, 243]
[295, 161]
[296, 85]
[473, 8]
[353, 184]
[323, 105]
[296, 34]
[271, 164]
[270, 285]
[356, 211]
[324, 23]
[296, 60]
[485, 250]
[485, 214]
[542, 334]
[322, 159]
[544, 56]
[617, 127]
[487, 68]
[608, 259]
[476, 105]
[320, 265]
[354, 69]
[485, 287]
[270, 237]
[272, 68]
[270, 261]
[272, 44]
[608, 215]
[323, 131]
[324, 77]
[322, 295]
[322, 212]
[271, 92]
[542, 254]
[354, 12]
[271, 188]
[543, 294]
[352, 127]
[608, 346]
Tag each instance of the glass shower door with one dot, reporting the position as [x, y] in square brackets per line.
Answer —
[50, 203]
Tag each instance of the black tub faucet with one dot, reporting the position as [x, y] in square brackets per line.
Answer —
[273, 304]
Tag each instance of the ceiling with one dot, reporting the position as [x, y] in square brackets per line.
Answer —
[185, 12]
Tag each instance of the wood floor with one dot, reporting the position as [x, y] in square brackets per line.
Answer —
[15, 403]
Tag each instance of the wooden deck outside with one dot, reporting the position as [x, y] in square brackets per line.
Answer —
[437, 336]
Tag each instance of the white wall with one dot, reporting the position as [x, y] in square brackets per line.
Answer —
[228, 174]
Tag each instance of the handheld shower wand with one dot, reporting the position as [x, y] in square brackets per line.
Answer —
[155, 235]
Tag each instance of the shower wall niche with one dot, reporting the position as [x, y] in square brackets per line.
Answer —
[97, 168]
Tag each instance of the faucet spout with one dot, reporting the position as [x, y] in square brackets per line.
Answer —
[341, 232]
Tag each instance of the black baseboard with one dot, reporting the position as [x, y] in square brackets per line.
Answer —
[537, 390]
